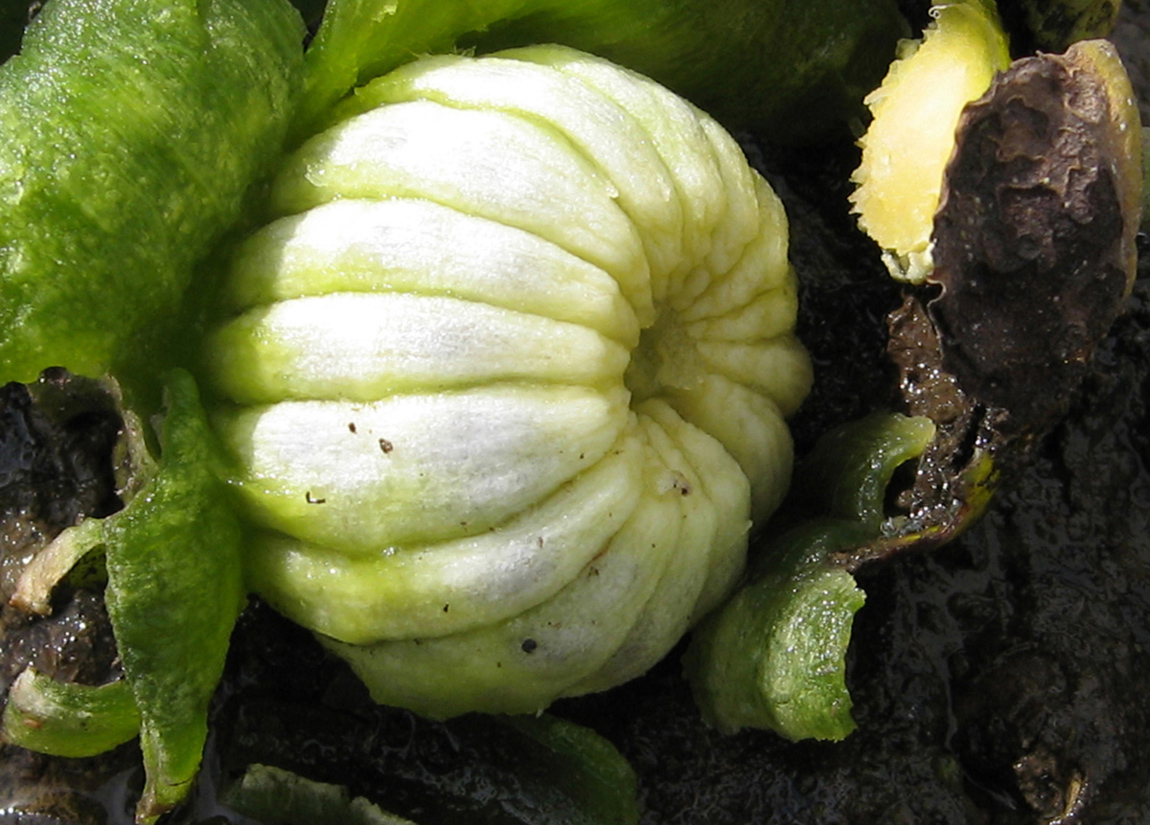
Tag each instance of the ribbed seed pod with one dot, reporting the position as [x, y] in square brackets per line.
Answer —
[506, 382]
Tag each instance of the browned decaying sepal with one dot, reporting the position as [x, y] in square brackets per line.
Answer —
[1034, 254]
[1034, 239]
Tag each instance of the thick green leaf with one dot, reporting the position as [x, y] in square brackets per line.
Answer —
[751, 63]
[129, 133]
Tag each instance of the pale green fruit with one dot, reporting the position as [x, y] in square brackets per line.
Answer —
[508, 378]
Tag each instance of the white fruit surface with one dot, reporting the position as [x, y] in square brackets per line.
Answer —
[505, 383]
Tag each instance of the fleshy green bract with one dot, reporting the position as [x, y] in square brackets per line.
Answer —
[129, 133]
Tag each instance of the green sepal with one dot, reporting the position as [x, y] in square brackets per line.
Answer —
[774, 656]
[174, 592]
[68, 719]
[270, 794]
[545, 768]
[848, 472]
[584, 766]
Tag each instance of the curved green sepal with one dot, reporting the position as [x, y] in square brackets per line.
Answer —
[67, 719]
[847, 473]
[545, 768]
[174, 592]
[269, 794]
[585, 767]
[49, 567]
[363, 39]
[774, 656]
